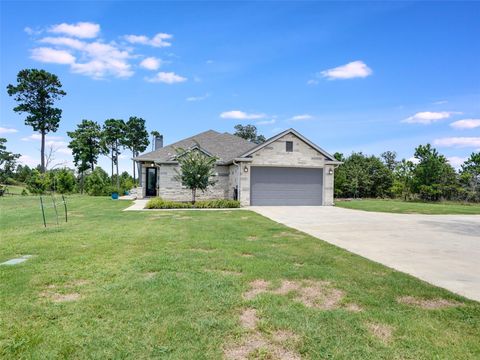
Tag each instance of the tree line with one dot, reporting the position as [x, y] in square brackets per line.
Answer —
[428, 176]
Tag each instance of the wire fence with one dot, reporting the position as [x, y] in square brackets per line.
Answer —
[59, 206]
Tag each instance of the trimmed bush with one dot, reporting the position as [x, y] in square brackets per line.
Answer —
[159, 203]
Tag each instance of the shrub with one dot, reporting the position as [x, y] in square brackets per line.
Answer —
[159, 203]
[38, 183]
[64, 181]
[217, 204]
[97, 182]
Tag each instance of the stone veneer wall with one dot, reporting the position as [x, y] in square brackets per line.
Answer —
[171, 189]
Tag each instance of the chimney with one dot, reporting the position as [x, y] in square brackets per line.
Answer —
[158, 142]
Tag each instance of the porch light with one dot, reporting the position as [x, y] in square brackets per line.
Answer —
[245, 169]
[330, 172]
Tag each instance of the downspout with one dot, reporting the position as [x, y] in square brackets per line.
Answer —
[239, 178]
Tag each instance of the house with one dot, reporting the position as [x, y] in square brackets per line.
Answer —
[287, 169]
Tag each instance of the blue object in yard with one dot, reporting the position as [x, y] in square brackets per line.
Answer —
[115, 196]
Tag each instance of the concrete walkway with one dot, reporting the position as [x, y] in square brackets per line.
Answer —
[443, 250]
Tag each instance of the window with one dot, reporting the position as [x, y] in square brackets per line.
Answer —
[289, 146]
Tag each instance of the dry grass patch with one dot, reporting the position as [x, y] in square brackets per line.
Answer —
[149, 275]
[381, 331]
[252, 238]
[353, 307]
[249, 319]
[318, 294]
[428, 304]
[289, 234]
[248, 255]
[256, 287]
[282, 336]
[58, 298]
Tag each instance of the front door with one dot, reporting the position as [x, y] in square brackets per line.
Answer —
[151, 185]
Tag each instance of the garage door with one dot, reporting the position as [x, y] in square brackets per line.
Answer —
[285, 186]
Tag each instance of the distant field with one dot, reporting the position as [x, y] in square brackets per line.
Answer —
[14, 189]
[410, 207]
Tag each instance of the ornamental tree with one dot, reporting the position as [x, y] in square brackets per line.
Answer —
[197, 171]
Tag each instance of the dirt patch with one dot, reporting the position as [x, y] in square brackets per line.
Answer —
[381, 331]
[58, 298]
[252, 238]
[200, 250]
[249, 319]
[289, 234]
[247, 255]
[258, 346]
[312, 293]
[282, 336]
[256, 287]
[353, 307]
[429, 304]
[149, 275]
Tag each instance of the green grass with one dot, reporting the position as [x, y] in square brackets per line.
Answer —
[410, 207]
[14, 189]
[188, 308]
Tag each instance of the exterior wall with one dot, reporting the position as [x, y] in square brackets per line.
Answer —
[232, 179]
[171, 189]
[274, 154]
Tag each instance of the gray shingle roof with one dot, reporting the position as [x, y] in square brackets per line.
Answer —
[224, 146]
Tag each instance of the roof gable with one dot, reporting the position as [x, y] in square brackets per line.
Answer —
[328, 156]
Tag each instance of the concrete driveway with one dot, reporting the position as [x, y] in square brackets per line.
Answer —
[441, 249]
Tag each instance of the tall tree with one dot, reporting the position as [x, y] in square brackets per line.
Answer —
[434, 177]
[113, 138]
[402, 185]
[86, 146]
[470, 176]
[136, 137]
[389, 159]
[197, 171]
[36, 92]
[7, 161]
[249, 132]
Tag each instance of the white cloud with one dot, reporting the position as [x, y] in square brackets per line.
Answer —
[64, 150]
[312, 82]
[50, 140]
[266, 122]
[198, 98]
[456, 161]
[7, 130]
[414, 160]
[461, 142]
[301, 117]
[240, 115]
[151, 63]
[466, 124]
[159, 40]
[98, 59]
[28, 160]
[83, 30]
[167, 78]
[440, 102]
[49, 55]
[427, 117]
[354, 69]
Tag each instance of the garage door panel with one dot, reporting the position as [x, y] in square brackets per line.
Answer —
[286, 186]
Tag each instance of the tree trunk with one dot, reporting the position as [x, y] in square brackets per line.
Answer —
[194, 191]
[112, 165]
[81, 183]
[116, 163]
[134, 177]
[42, 153]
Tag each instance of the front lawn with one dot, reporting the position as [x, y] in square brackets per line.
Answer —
[410, 207]
[208, 285]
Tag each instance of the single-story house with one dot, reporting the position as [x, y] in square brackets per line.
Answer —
[287, 169]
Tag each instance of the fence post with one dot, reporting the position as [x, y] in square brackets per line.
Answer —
[43, 211]
[65, 206]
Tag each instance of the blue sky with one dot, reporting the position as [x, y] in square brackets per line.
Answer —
[354, 76]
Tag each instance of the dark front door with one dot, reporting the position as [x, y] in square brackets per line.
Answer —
[151, 182]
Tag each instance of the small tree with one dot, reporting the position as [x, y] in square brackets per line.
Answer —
[249, 132]
[7, 161]
[136, 138]
[196, 170]
[36, 93]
